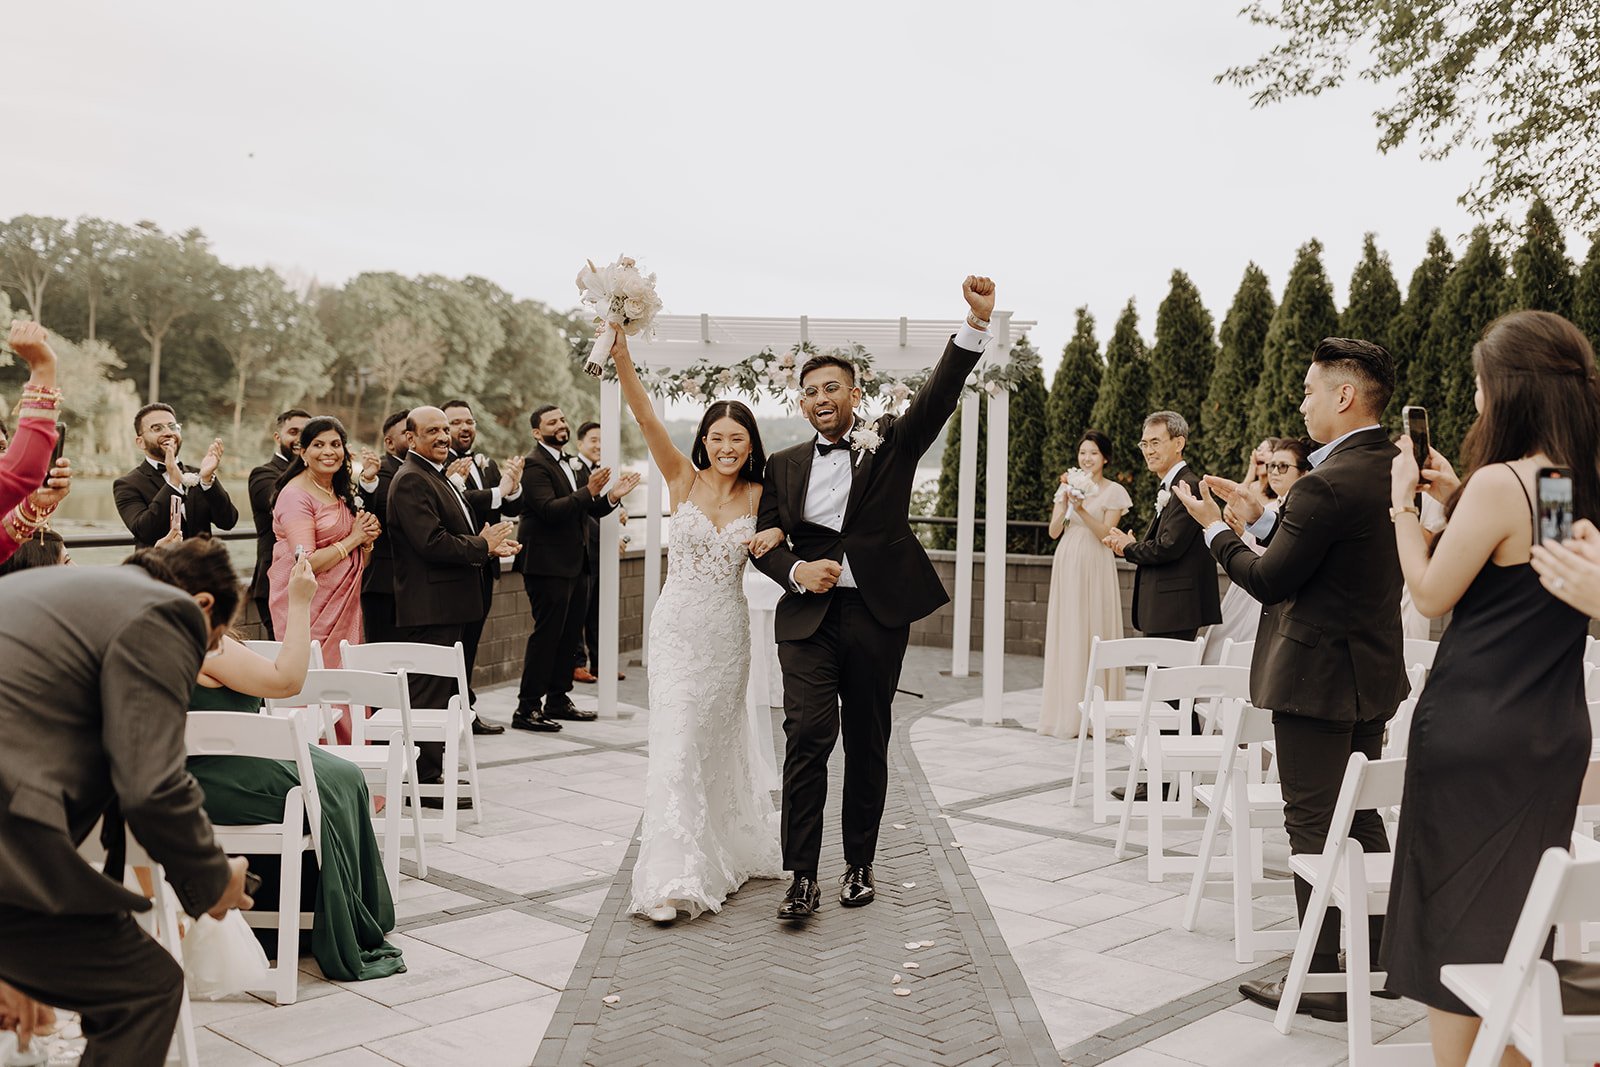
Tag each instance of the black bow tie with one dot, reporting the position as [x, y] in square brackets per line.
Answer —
[823, 447]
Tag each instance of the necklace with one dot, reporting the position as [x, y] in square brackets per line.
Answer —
[324, 491]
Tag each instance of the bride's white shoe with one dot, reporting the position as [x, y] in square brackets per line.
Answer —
[662, 913]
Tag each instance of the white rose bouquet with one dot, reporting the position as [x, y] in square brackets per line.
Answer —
[622, 299]
[1079, 484]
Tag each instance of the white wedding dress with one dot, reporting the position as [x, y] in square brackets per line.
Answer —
[708, 824]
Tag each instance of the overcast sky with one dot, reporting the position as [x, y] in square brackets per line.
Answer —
[830, 159]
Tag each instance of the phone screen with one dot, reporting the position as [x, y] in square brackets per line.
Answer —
[1555, 505]
[1416, 427]
[175, 516]
[61, 445]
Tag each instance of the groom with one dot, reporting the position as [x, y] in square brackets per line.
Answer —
[857, 580]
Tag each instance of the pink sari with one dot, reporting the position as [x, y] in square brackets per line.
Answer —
[299, 518]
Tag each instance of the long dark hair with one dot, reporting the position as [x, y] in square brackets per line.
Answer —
[198, 564]
[1540, 394]
[343, 484]
[756, 466]
[43, 549]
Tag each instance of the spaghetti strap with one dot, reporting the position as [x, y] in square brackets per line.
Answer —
[1533, 512]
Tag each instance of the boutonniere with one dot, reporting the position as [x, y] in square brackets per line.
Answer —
[576, 465]
[190, 479]
[865, 439]
[1162, 498]
[480, 460]
[359, 502]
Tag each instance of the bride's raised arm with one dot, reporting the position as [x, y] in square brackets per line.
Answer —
[675, 467]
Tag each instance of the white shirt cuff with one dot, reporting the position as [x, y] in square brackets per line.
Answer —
[794, 586]
[972, 340]
[1213, 530]
[370, 487]
[1262, 528]
[513, 494]
[494, 498]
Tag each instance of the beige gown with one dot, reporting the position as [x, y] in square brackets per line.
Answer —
[1084, 604]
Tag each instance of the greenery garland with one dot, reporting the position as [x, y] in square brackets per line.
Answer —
[776, 375]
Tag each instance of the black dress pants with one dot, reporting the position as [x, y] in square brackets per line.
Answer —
[1312, 756]
[1180, 635]
[377, 618]
[430, 691]
[840, 680]
[558, 607]
[264, 613]
[472, 633]
[125, 986]
[589, 648]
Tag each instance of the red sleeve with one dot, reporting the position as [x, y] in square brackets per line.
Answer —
[27, 461]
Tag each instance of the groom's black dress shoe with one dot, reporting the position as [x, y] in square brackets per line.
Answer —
[801, 901]
[566, 709]
[856, 887]
[1329, 1007]
[533, 720]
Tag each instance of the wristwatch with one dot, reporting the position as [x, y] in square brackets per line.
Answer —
[1395, 513]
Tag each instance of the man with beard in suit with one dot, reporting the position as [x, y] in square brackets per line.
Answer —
[377, 580]
[555, 535]
[439, 548]
[144, 495]
[1329, 659]
[492, 496]
[263, 489]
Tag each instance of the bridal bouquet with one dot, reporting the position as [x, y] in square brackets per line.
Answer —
[622, 299]
[1079, 484]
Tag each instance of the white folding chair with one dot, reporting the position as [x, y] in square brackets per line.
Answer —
[1237, 653]
[393, 765]
[1107, 715]
[1591, 650]
[1344, 876]
[1248, 807]
[234, 733]
[161, 922]
[1397, 734]
[450, 724]
[1420, 652]
[270, 650]
[1181, 755]
[1519, 999]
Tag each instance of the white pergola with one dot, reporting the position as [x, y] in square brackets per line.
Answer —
[896, 346]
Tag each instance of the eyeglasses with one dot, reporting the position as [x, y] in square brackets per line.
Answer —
[1282, 468]
[832, 389]
[163, 427]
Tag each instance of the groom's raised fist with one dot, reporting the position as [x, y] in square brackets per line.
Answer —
[817, 576]
[979, 292]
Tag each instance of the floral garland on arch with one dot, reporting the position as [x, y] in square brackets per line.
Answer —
[776, 375]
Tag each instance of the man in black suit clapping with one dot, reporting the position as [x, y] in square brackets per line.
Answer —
[144, 495]
[263, 489]
[439, 552]
[555, 533]
[1329, 658]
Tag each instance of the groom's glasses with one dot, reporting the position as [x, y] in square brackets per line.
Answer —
[832, 389]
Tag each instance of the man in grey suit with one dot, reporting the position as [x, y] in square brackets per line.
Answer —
[100, 663]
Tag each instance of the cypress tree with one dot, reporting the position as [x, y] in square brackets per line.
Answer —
[1411, 325]
[1182, 360]
[1306, 315]
[950, 475]
[1473, 296]
[1541, 272]
[1072, 397]
[1238, 368]
[1120, 410]
[1586, 296]
[1374, 307]
[1027, 422]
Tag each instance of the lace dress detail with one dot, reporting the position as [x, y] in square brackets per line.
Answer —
[708, 826]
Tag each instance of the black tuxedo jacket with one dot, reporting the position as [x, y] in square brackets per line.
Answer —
[594, 523]
[263, 490]
[144, 498]
[482, 499]
[554, 531]
[1175, 585]
[378, 575]
[437, 553]
[1330, 644]
[893, 574]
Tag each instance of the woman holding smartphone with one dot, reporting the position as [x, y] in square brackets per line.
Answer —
[1500, 738]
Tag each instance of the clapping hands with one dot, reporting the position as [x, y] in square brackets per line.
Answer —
[510, 475]
[1117, 541]
[210, 461]
[1204, 508]
[625, 485]
[499, 538]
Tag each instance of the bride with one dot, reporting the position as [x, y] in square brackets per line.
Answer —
[708, 825]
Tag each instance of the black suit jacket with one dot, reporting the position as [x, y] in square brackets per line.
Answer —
[482, 499]
[893, 574]
[263, 490]
[378, 575]
[594, 523]
[554, 530]
[1175, 585]
[143, 499]
[1330, 644]
[438, 555]
[100, 663]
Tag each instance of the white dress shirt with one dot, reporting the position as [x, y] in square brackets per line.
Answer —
[477, 482]
[466, 509]
[1262, 528]
[828, 491]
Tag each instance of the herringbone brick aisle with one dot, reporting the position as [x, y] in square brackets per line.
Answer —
[736, 987]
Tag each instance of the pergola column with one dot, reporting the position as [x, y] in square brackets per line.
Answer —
[994, 543]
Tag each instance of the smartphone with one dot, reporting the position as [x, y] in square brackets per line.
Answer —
[252, 884]
[1414, 419]
[299, 553]
[1555, 505]
[61, 446]
[175, 513]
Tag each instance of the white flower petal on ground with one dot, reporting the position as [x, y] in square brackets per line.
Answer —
[612, 999]
[911, 965]
[913, 945]
[902, 992]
